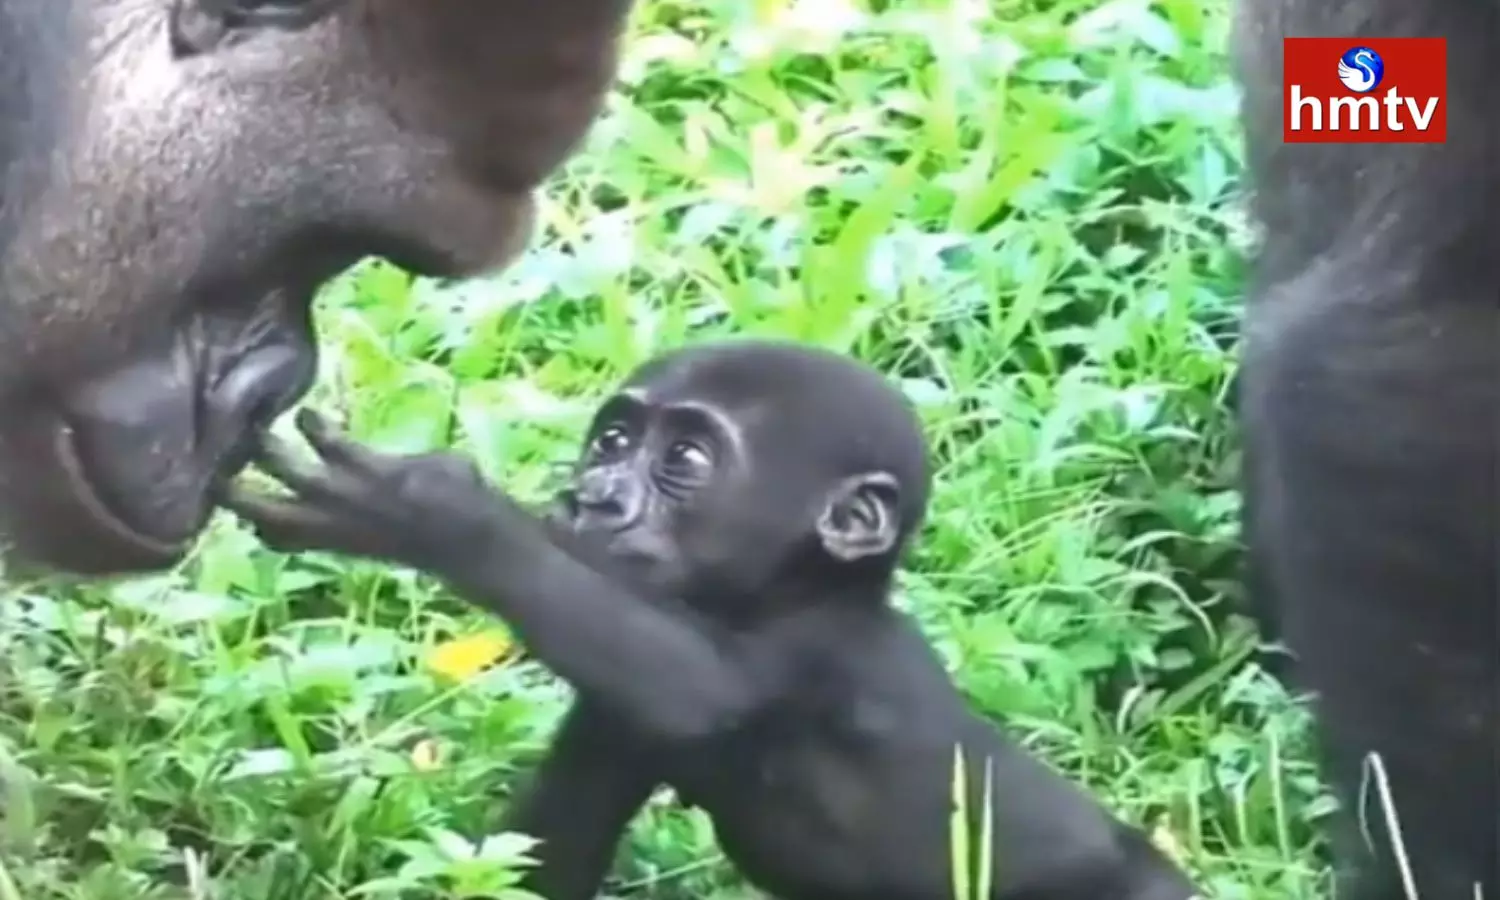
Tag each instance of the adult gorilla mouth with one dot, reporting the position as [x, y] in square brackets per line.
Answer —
[151, 549]
[78, 509]
[120, 475]
[60, 516]
[70, 509]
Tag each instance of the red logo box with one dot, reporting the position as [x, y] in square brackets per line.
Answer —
[1364, 90]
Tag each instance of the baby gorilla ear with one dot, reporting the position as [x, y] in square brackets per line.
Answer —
[861, 518]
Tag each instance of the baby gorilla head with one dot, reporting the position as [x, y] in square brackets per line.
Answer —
[718, 470]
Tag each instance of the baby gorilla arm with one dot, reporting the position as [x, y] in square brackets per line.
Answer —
[596, 775]
[665, 671]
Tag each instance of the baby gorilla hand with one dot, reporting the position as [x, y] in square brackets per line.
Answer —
[429, 511]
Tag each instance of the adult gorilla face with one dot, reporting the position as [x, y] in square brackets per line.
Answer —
[178, 179]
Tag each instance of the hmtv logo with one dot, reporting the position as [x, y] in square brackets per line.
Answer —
[1364, 90]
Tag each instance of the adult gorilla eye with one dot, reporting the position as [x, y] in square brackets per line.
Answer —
[612, 440]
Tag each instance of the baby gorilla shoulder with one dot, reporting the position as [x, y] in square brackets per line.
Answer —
[714, 582]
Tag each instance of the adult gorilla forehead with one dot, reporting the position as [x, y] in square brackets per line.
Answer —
[177, 177]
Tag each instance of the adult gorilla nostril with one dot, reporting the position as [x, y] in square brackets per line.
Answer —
[260, 388]
[246, 401]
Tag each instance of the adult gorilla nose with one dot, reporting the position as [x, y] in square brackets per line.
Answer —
[240, 408]
[608, 499]
[257, 390]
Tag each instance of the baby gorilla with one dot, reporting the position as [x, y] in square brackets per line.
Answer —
[715, 586]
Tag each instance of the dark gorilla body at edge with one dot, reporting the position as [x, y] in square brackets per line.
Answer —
[1370, 409]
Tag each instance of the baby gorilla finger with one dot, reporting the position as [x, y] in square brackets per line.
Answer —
[288, 525]
[280, 524]
[278, 460]
[338, 450]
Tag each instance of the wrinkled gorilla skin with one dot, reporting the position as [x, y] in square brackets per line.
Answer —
[1371, 414]
[166, 214]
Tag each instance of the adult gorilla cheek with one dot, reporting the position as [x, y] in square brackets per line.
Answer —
[123, 478]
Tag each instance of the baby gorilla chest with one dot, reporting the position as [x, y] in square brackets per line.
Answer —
[798, 818]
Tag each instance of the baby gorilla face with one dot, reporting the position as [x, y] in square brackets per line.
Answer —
[653, 491]
[722, 470]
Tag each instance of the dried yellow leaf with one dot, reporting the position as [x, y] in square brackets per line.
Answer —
[463, 658]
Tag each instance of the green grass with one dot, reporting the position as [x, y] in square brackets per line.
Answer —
[1027, 210]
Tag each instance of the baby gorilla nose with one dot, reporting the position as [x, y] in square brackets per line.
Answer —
[608, 499]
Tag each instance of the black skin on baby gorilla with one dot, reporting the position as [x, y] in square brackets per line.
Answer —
[178, 177]
[715, 585]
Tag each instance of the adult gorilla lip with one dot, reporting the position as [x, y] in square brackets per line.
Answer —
[153, 550]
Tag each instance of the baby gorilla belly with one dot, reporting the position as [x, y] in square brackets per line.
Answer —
[794, 850]
[812, 825]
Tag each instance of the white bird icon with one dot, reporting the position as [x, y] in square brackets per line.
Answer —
[1357, 80]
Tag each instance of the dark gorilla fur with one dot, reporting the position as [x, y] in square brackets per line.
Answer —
[176, 179]
[715, 585]
[1371, 413]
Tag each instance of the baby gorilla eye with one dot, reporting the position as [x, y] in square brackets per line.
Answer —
[686, 454]
[613, 439]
